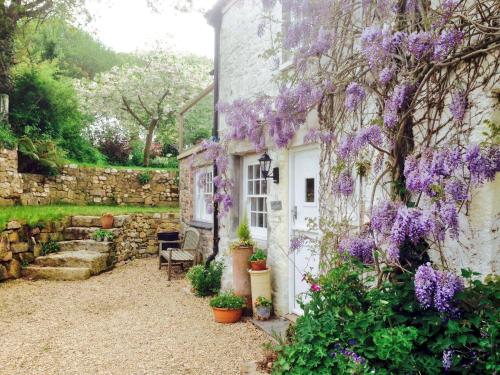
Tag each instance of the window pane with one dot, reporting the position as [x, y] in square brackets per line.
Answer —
[250, 188]
[261, 220]
[264, 187]
[257, 187]
[253, 204]
[310, 190]
[253, 220]
[261, 205]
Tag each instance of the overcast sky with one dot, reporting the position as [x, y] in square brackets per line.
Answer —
[129, 25]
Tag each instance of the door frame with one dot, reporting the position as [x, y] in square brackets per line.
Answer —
[291, 199]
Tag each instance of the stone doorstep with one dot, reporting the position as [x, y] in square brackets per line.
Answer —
[273, 327]
[84, 233]
[86, 245]
[95, 262]
[56, 273]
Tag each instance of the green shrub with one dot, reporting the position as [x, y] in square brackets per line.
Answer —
[348, 328]
[145, 178]
[258, 255]
[228, 300]
[50, 248]
[206, 281]
[7, 138]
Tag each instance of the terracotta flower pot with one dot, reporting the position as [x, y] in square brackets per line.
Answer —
[263, 312]
[259, 265]
[107, 221]
[227, 315]
[241, 277]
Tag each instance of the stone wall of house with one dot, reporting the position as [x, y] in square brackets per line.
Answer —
[138, 237]
[83, 185]
[189, 163]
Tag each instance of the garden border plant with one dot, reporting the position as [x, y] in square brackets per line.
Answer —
[206, 281]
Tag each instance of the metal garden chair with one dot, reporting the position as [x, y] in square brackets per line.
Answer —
[177, 252]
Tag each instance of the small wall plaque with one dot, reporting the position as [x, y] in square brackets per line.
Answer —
[276, 206]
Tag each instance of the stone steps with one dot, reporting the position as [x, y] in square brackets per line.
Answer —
[86, 245]
[56, 273]
[94, 261]
[84, 233]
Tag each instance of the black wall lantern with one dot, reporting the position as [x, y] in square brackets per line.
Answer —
[265, 167]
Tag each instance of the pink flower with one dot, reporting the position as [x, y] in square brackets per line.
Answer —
[315, 288]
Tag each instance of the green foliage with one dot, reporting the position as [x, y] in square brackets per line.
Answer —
[164, 162]
[42, 103]
[388, 331]
[228, 300]
[41, 156]
[44, 106]
[258, 255]
[103, 235]
[50, 248]
[144, 178]
[77, 53]
[7, 138]
[244, 235]
[35, 216]
[198, 121]
[263, 301]
[206, 281]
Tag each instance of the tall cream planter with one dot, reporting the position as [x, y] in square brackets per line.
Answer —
[261, 285]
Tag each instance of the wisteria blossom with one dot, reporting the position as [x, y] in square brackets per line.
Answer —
[437, 289]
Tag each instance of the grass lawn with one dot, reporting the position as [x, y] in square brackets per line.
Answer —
[35, 214]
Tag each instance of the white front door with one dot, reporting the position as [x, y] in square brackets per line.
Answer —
[304, 208]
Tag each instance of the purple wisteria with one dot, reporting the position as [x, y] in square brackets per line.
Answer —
[437, 289]
[360, 248]
[355, 94]
[351, 145]
[396, 103]
[344, 184]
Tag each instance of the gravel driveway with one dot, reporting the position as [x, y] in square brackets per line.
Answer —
[127, 321]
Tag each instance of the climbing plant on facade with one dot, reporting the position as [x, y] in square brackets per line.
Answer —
[399, 88]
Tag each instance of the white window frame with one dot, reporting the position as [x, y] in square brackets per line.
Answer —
[202, 193]
[258, 233]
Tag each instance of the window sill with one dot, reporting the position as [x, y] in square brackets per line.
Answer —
[200, 224]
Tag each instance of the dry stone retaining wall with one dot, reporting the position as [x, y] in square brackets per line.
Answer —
[83, 185]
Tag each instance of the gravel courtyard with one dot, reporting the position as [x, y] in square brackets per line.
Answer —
[127, 321]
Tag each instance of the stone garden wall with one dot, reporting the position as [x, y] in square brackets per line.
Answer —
[83, 185]
[20, 244]
[10, 181]
[138, 236]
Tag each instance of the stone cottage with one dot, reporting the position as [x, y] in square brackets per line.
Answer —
[280, 210]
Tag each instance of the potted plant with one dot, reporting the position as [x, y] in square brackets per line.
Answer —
[107, 221]
[258, 260]
[263, 307]
[227, 307]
